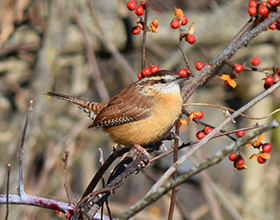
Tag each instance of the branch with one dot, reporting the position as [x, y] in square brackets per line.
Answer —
[213, 159]
[21, 150]
[208, 70]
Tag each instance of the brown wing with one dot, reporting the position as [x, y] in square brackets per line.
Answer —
[127, 106]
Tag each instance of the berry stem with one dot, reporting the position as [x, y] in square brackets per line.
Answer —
[185, 56]
[143, 62]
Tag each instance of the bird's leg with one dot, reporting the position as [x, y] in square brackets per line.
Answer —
[170, 136]
[142, 150]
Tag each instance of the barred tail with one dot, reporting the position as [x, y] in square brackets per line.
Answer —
[90, 108]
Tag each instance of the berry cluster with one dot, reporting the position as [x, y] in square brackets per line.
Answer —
[147, 71]
[265, 9]
[238, 161]
[205, 131]
[139, 11]
[179, 19]
[132, 6]
[262, 156]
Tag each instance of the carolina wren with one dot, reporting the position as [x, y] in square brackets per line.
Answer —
[140, 114]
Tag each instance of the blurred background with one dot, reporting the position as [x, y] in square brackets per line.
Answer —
[71, 48]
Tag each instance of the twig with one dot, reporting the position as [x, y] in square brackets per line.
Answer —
[65, 161]
[210, 161]
[196, 141]
[232, 110]
[7, 190]
[21, 150]
[143, 61]
[184, 54]
[175, 174]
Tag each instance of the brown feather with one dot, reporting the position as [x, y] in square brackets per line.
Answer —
[90, 108]
[126, 106]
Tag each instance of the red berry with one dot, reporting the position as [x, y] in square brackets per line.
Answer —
[207, 130]
[143, 4]
[175, 23]
[183, 72]
[146, 71]
[199, 65]
[190, 39]
[255, 61]
[266, 148]
[269, 80]
[154, 68]
[252, 11]
[263, 10]
[139, 10]
[253, 4]
[238, 68]
[239, 161]
[184, 20]
[199, 115]
[200, 135]
[240, 133]
[267, 86]
[140, 76]
[272, 27]
[261, 160]
[56, 211]
[273, 2]
[263, 3]
[232, 156]
[131, 5]
[136, 30]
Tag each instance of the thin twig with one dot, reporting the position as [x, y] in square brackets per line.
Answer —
[143, 61]
[232, 110]
[7, 190]
[184, 55]
[175, 174]
[21, 150]
[65, 161]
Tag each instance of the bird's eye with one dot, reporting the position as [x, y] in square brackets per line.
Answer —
[163, 81]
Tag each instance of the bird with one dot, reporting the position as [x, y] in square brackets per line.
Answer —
[139, 115]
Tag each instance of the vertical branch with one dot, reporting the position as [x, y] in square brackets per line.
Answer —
[143, 62]
[65, 161]
[21, 150]
[175, 174]
[7, 191]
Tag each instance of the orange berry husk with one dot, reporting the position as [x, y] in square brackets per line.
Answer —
[153, 29]
[155, 23]
[178, 13]
[191, 29]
